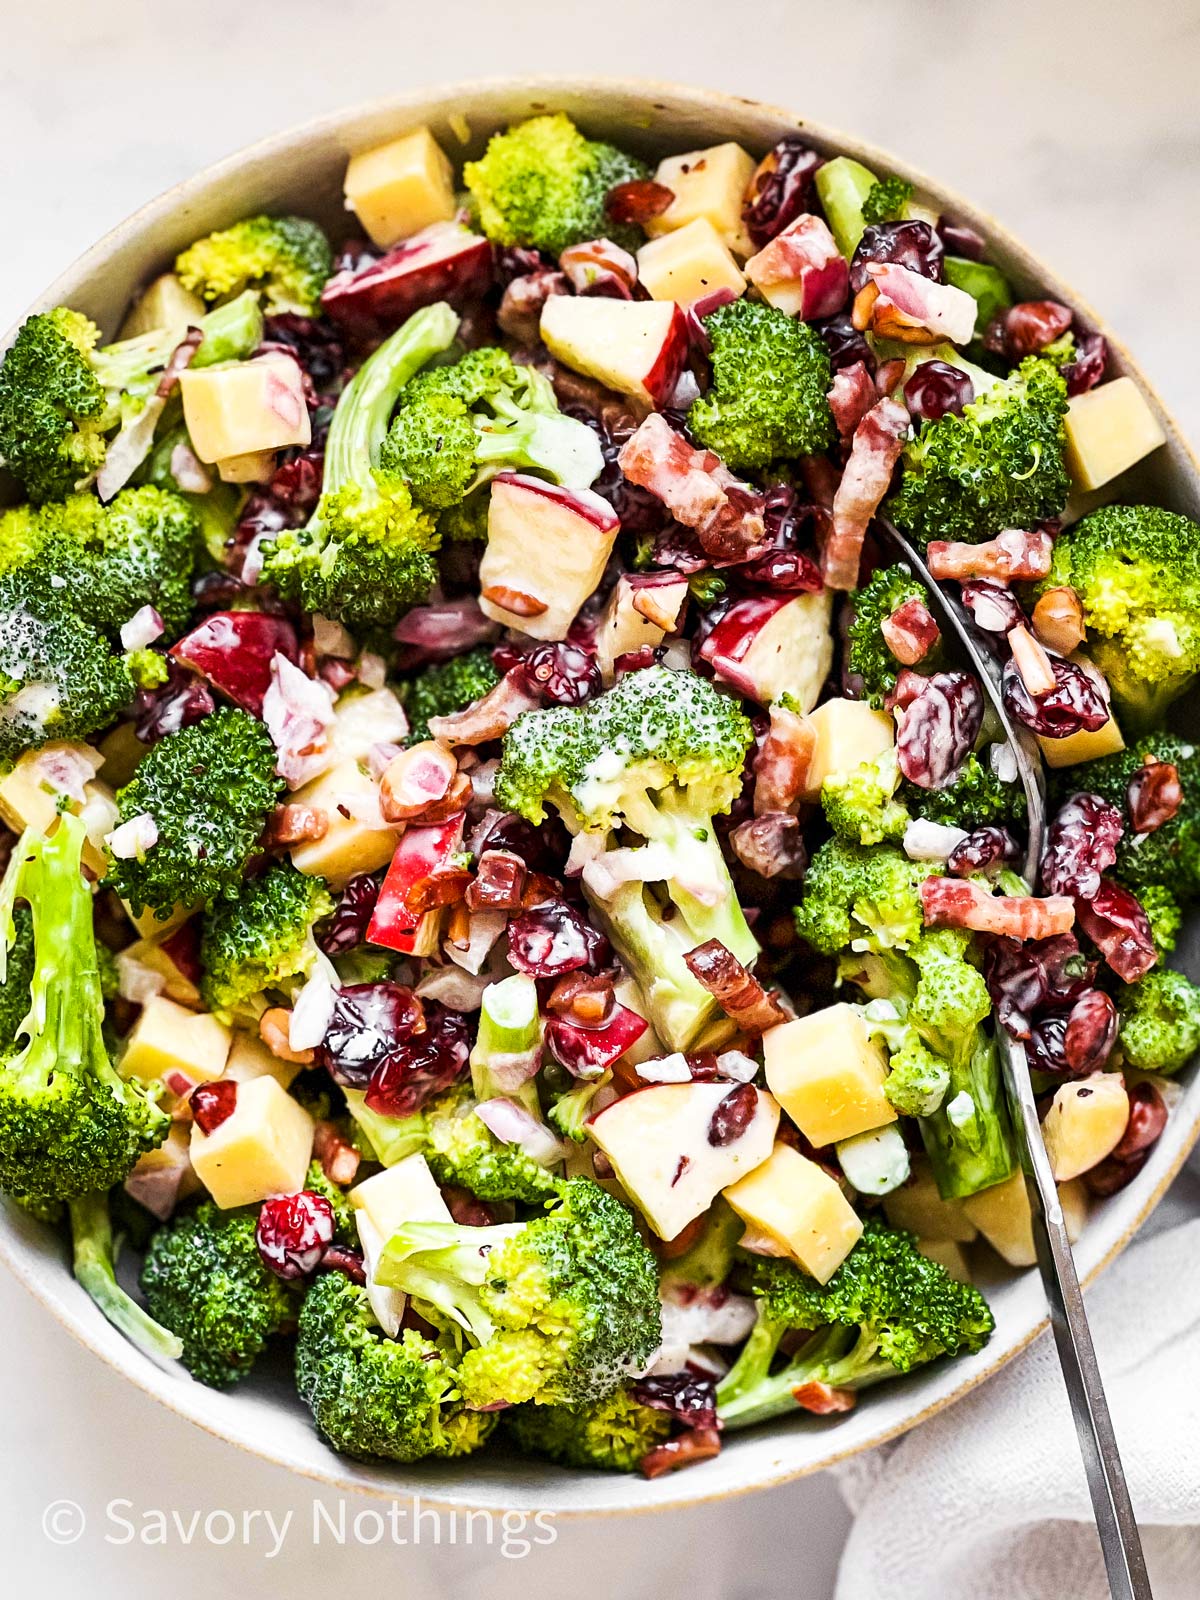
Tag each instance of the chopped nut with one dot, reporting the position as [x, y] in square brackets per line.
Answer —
[514, 600]
[864, 305]
[1058, 620]
[274, 1031]
[1032, 662]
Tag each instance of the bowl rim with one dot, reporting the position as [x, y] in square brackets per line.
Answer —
[338, 1472]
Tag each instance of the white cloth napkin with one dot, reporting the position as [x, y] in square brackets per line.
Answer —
[988, 1500]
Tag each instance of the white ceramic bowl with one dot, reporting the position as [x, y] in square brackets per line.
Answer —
[302, 171]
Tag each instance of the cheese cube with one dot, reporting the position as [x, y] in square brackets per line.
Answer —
[149, 954]
[237, 407]
[848, 733]
[249, 1058]
[1003, 1217]
[254, 467]
[1084, 1123]
[348, 845]
[164, 304]
[262, 1148]
[918, 1208]
[798, 1205]
[30, 795]
[1082, 746]
[398, 188]
[707, 183]
[828, 1074]
[403, 1193]
[1108, 430]
[169, 1038]
[689, 264]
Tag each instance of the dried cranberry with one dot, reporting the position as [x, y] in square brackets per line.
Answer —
[733, 1115]
[370, 1020]
[1022, 330]
[780, 189]
[639, 510]
[960, 239]
[554, 938]
[297, 483]
[586, 1050]
[342, 1258]
[218, 591]
[422, 1065]
[940, 727]
[1088, 367]
[347, 927]
[845, 344]
[685, 1450]
[1091, 1032]
[1114, 921]
[638, 201]
[771, 845]
[562, 674]
[690, 1397]
[183, 699]
[938, 390]
[1024, 977]
[1111, 1175]
[909, 244]
[213, 1103]
[1045, 1045]
[1074, 705]
[1155, 795]
[315, 344]
[993, 608]
[1147, 1119]
[542, 849]
[981, 850]
[1081, 844]
[293, 1232]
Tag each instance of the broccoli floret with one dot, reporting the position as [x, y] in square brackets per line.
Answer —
[287, 258]
[94, 1253]
[216, 511]
[345, 1227]
[859, 805]
[917, 1080]
[460, 425]
[543, 184]
[887, 200]
[367, 552]
[867, 652]
[18, 975]
[570, 1111]
[977, 797]
[1137, 575]
[1168, 857]
[887, 1309]
[1159, 1021]
[660, 754]
[467, 522]
[771, 375]
[446, 687]
[263, 938]
[612, 1435]
[558, 1309]
[69, 1124]
[372, 1396]
[52, 405]
[864, 897]
[208, 789]
[1001, 464]
[204, 1279]
[1165, 915]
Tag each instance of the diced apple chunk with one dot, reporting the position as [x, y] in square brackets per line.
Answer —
[658, 1142]
[771, 646]
[947, 1254]
[150, 926]
[627, 625]
[31, 794]
[1003, 1217]
[707, 183]
[403, 1193]
[546, 552]
[828, 1074]
[163, 304]
[152, 956]
[799, 1206]
[237, 407]
[249, 1058]
[398, 188]
[262, 1148]
[848, 732]
[637, 347]
[364, 718]
[1084, 1123]
[348, 846]
[1109, 429]
[918, 1208]
[168, 1038]
[254, 467]
[689, 265]
[1082, 746]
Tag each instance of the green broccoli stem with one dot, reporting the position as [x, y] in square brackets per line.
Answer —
[390, 1139]
[230, 332]
[509, 1042]
[970, 1147]
[443, 1265]
[570, 1111]
[564, 449]
[842, 1357]
[95, 1255]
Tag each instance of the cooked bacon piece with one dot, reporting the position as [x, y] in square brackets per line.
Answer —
[805, 267]
[490, 717]
[445, 627]
[771, 845]
[878, 441]
[782, 763]
[911, 308]
[737, 991]
[1015, 554]
[697, 490]
[1115, 922]
[338, 1157]
[851, 395]
[822, 1399]
[956, 903]
[910, 633]
[520, 310]
[499, 882]
[697, 1444]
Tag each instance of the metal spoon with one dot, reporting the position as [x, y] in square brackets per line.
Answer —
[1120, 1540]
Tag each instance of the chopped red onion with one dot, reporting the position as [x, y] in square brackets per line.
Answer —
[513, 1124]
[737, 1065]
[137, 982]
[332, 638]
[132, 839]
[129, 449]
[665, 1069]
[298, 712]
[189, 472]
[486, 928]
[372, 670]
[313, 1010]
[143, 627]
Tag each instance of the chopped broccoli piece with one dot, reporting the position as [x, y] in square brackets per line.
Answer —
[1001, 464]
[887, 201]
[69, 1123]
[1159, 1021]
[216, 511]
[542, 183]
[571, 1110]
[976, 799]
[771, 375]
[209, 789]
[1169, 857]
[287, 258]
[1165, 915]
[867, 654]
[263, 938]
[18, 974]
[859, 805]
[611, 1435]
[918, 1080]
[94, 1253]
[467, 522]
[446, 687]
[865, 898]
[52, 406]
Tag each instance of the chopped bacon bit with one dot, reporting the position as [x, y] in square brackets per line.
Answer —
[499, 882]
[638, 201]
[1015, 554]
[1155, 795]
[878, 441]
[292, 824]
[782, 764]
[737, 991]
[338, 1157]
[181, 358]
[913, 309]
[1058, 620]
[490, 717]
[822, 1399]
[957, 903]
[697, 490]
[806, 268]
[583, 996]
[436, 889]
[771, 844]
[910, 633]
[851, 395]
[343, 1258]
[697, 1444]
[520, 309]
[1032, 662]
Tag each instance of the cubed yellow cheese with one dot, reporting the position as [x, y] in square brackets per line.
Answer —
[348, 846]
[1082, 746]
[262, 1148]
[1108, 430]
[848, 732]
[707, 183]
[249, 1058]
[398, 188]
[169, 1038]
[164, 304]
[236, 407]
[917, 1207]
[30, 796]
[403, 1193]
[1084, 1123]
[689, 264]
[149, 954]
[1003, 1217]
[798, 1205]
[254, 467]
[828, 1074]
[947, 1254]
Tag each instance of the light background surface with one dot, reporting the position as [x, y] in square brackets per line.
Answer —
[1074, 123]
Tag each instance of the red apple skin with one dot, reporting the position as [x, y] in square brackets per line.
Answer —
[580, 502]
[234, 651]
[588, 1051]
[420, 852]
[824, 289]
[432, 265]
[661, 380]
[730, 640]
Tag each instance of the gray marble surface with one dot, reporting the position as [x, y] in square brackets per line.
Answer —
[1074, 123]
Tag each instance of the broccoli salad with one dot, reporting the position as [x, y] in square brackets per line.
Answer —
[511, 895]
